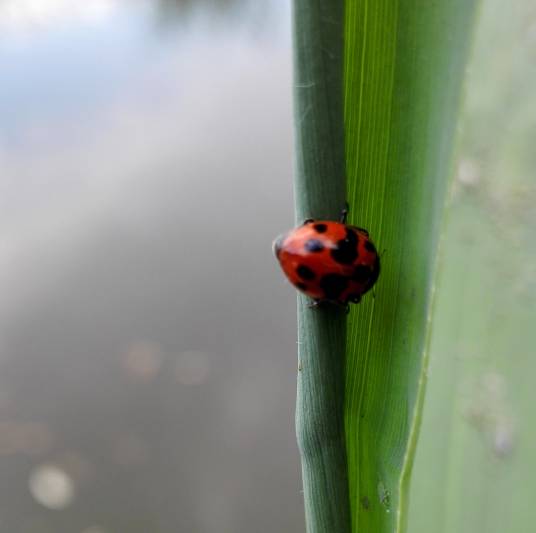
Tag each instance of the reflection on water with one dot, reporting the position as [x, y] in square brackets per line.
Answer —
[147, 365]
[32, 14]
[176, 11]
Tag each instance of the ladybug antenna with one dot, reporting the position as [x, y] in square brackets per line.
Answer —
[344, 212]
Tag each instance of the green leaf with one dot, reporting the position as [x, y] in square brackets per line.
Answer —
[479, 430]
[320, 193]
[377, 90]
[404, 66]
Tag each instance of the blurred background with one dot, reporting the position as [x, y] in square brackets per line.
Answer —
[148, 356]
[147, 347]
[476, 457]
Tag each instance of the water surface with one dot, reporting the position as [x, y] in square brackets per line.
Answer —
[147, 361]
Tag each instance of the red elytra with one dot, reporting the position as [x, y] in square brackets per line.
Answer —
[329, 261]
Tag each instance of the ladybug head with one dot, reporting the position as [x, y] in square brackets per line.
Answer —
[278, 244]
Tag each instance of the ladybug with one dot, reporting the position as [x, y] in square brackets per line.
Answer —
[331, 262]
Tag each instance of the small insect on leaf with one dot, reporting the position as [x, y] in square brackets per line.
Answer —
[329, 261]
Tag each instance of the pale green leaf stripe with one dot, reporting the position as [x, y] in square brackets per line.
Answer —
[404, 65]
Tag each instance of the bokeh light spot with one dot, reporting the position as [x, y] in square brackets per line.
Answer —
[142, 361]
[51, 486]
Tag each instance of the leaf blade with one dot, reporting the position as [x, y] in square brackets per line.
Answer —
[400, 126]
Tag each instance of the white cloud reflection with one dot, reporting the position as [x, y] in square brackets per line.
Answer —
[108, 204]
[33, 14]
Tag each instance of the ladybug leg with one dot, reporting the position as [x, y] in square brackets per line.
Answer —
[308, 221]
[344, 213]
[362, 230]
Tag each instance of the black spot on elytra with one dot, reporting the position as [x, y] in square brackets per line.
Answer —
[345, 251]
[301, 286]
[374, 274]
[370, 247]
[333, 285]
[320, 228]
[314, 245]
[361, 274]
[305, 272]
